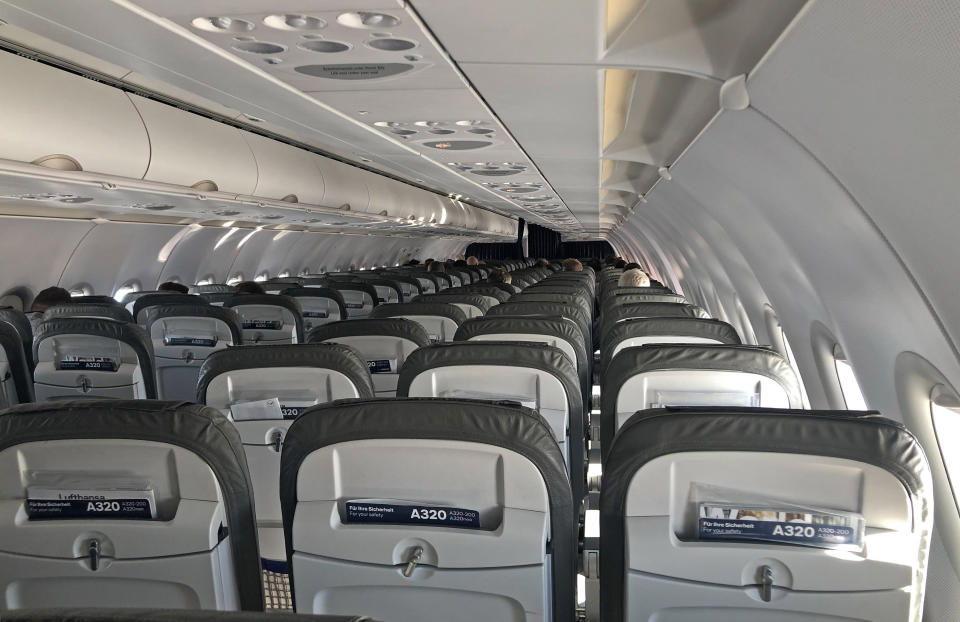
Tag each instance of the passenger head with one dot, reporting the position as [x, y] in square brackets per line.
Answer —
[437, 266]
[427, 262]
[249, 287]
[413, 262]
[499, 275]
[633, 278]
[572, 265]
[620, 264]
[543, 263]
[472, 261]
[50, 297]
[632, 266]
[460, 262]
[170, 286]
[459, 257]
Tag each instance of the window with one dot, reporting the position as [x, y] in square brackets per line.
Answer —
[263, 276]
[207, 280]
[130, 287]
[284, 274]
[236, 278]
[945, 410]
[849, 387]
[80, 290]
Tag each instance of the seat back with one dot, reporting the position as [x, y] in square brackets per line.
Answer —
[472, 305]
[319, 305]
[164, 615]
[568, 310]
[359, 298]
[96, 299]
[212, 288]
[262, 389]
[659, 375]
[581, 299]
[268, 318]
[611, 316]
[555, 331]
[359, 507]
[648, 330]
[384, 343]
[143, 303]
[733, 514]
[277, 285]
[175, 475]
[92, 358]
[131, 297]
[489, 290]
[18, 320]
[409, 287]
[388, 291]
[93, 310]
[535, 375]
[183, 336]
[16, 385]
[440, 320]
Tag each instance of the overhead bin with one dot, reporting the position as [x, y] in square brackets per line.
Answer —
[400, 200]
[285, 173]
[64, 121]
[344, 184]
[80, 126]
[190, 150]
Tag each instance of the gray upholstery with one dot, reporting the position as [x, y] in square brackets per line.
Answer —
[499, 427]
[197, 429]
[810, 453]
[55, 337]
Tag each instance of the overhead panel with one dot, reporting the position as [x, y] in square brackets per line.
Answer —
[604, 95]
[378, 67]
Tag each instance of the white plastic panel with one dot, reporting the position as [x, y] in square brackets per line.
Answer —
[464, 574]
[283, 170]
[669, 569]
[344, 185]
[175, 561]
[697, 387]
[294, 387]
[534, 388]
[46, 111]
[186, 148]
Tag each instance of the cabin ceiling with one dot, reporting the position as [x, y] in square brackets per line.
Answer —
[562, 112]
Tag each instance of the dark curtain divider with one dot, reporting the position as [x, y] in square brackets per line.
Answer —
[493, 250]
[543, 242]
[597, 249]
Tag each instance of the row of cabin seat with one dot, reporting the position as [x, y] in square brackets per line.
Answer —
[102, 614]
[689, 415]
[182, 330]
[401, 509]
[435, 357]
[505, 546]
